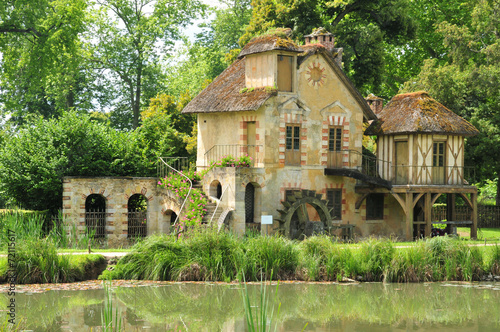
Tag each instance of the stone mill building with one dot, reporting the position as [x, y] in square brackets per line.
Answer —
[294, 111]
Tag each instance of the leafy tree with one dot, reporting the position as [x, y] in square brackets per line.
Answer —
[127, 40]
[367, 30]
[40, 62]
[33, 161]
[469, 81]
[212, 52]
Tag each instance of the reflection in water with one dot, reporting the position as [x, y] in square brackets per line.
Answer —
[325, 307]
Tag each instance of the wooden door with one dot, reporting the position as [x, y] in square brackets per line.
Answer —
[438, 163]
[335, 147]
[251, 140]
[402, 164]
[292, 145]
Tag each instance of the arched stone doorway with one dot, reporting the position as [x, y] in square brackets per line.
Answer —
[95, 216]
[169, 217]
[215, 189]
[252, 206]
[137, 207]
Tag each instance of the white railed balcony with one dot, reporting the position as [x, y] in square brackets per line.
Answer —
[429, 175]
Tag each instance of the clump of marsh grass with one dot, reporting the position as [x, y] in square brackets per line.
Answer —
[493, 265]
[264, 254]
[37, 261]
[436, 259]
[321, 259]
[210, 256]
[258, 317]
[374, 256]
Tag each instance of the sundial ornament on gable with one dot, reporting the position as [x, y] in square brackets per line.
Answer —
[315, 75]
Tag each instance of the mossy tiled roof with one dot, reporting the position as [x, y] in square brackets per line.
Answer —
[417, 112]
[225, 94]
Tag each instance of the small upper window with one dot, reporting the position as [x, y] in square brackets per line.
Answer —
[285, 71]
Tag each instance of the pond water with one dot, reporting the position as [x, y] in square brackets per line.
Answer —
[219, 307]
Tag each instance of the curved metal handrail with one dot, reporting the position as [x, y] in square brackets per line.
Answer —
[189, 191]
[218, 203]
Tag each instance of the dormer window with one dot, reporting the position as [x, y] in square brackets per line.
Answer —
[285, 73]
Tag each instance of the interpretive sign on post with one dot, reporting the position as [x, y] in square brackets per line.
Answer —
[266, 220]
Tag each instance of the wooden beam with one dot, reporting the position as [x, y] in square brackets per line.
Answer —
[473, 229]
[360, 201]
[466, 200]
[435, 189]
[409, 216]
[435, 197]
[427, 214]
[400, 200]
[451, 213]
[415, 200]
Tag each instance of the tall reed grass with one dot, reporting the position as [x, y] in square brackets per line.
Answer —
[32, 225]
[436, 259]
[111, 322]
[206, 255]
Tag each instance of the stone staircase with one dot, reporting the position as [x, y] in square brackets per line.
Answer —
[210, 211]
[211, 206]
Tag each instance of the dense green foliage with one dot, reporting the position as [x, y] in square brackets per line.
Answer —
[206, 255]
[468, 81]
[41, 59]
[35, 158]
[114, 59]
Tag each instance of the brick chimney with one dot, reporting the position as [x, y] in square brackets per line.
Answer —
[323, 37]
[375, 103]
[327, 40]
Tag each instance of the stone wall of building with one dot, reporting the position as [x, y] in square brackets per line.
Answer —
[117, 191]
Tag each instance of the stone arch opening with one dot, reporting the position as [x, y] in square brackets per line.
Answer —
[252, 206]
[215, 189]
[137, 207]
[95, 216]
[169, 217]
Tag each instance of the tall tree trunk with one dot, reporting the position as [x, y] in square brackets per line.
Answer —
[137, 103]
[135, 121]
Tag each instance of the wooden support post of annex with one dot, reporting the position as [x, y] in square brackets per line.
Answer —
[451, 213]
[473, 229]
[428, 214]
[409, 216]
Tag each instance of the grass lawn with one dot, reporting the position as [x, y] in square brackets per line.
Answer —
[490, 234]
[94, 250]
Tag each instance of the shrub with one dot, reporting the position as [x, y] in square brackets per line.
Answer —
[270, 255]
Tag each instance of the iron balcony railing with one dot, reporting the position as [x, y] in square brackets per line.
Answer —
[167, 165]
[218, 152]
[431, 175]
[352, 159]
[400, 174]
